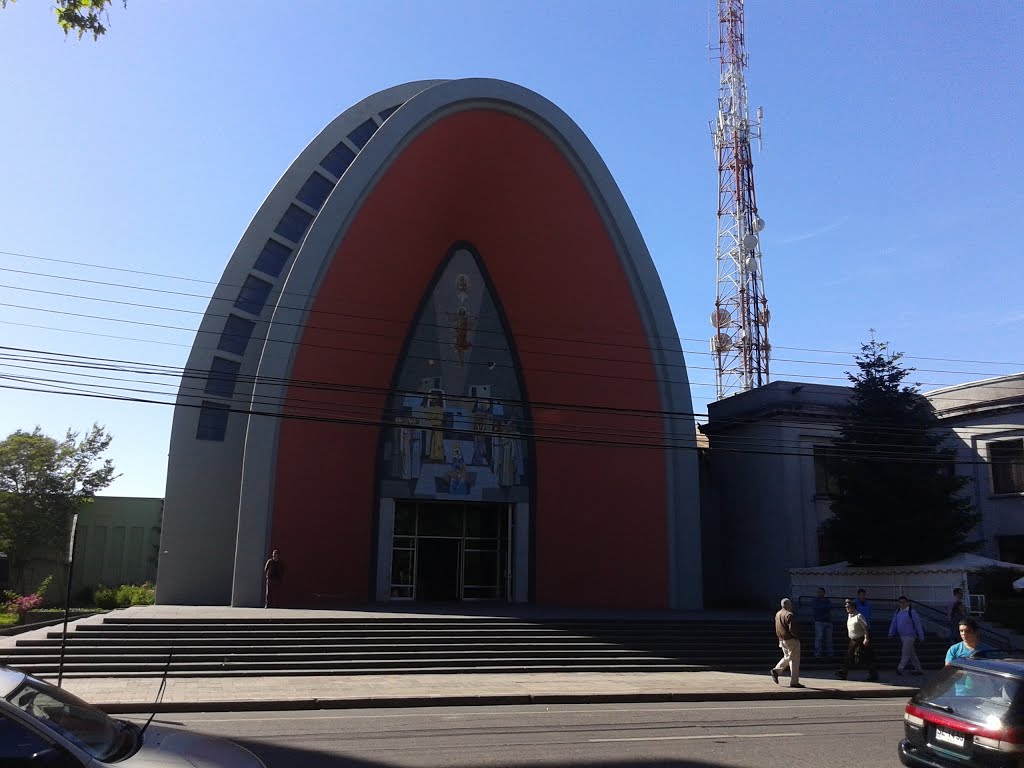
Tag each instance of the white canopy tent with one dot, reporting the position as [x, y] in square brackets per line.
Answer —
[929, 583]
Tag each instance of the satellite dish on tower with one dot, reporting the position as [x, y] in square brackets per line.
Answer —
[759, 224]
[749, 242]
[720, 318]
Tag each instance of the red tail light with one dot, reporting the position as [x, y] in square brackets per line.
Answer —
[1004, 739]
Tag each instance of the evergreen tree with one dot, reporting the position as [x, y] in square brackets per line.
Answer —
[899, 499]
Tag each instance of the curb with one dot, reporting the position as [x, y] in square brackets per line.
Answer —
[382, 702]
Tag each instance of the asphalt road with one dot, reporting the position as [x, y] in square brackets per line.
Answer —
[740, 735]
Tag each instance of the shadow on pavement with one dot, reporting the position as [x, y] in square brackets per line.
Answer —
[275, 756]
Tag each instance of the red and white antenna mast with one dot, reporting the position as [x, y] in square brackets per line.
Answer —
[740, 318]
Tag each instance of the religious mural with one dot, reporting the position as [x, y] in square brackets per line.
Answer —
[457, 414]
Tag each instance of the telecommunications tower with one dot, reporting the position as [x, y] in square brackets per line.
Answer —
[740, 318]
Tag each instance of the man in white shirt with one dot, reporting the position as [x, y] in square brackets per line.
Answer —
[859, 632]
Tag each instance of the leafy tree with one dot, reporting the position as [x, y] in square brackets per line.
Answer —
[79, 16]
[42, 482]
[898, 499]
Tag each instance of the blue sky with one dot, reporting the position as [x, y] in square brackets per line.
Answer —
[889, 178]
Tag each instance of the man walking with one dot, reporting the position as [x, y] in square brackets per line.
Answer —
[859, 632]
[789, 641]
[906, 625]
[822, 607]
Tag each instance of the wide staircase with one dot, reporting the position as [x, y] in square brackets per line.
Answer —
[145, 647]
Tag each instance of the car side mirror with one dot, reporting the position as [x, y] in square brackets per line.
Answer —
[54, 757]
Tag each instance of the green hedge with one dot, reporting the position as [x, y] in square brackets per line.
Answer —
[124, 596]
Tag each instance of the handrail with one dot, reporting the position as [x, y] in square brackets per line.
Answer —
[930, 612]
[1005, 640]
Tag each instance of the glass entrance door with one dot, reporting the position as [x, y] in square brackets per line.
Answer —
[444, 551]
[438, 569]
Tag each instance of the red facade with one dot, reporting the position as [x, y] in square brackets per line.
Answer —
[599, 510]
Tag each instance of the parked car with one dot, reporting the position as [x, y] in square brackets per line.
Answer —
[42, 725]
[971, 714]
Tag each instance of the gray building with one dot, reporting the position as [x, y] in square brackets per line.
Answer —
[766, 479]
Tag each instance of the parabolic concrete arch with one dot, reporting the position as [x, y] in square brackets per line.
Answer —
[464, 235]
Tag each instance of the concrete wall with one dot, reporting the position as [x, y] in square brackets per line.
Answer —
[117, 542]
[204, 477]
[762, 469]
[978, 414]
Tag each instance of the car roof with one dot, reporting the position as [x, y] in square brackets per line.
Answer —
[1006, 665]
[9, 680]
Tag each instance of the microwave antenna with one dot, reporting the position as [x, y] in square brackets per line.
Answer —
[740, 318]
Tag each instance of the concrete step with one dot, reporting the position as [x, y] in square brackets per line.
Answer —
[123, 647]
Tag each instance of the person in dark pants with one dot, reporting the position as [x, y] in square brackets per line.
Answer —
[859, 633]
[955, 612]
[273, 573]
[822, 607]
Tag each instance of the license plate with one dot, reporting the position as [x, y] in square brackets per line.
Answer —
[952, 738]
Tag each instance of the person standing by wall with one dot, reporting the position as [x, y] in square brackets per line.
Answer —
[907, 625]
[822, 608]
[955, 612]
[863, 606]
[859, 632]
[273, 574]
[789, 641]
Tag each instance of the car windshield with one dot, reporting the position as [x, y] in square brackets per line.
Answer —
[87, 727]
[976, 695]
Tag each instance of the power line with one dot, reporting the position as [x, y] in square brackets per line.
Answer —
[536, 438]
[559, 355]
[392, 320]
[123, 366]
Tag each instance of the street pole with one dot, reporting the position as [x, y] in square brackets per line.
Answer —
[67, 598]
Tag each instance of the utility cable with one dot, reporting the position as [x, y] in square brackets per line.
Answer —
[391, 320]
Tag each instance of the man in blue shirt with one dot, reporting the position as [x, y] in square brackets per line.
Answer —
[822, 608]
[907, 625]
[970, 633]
[863, 606]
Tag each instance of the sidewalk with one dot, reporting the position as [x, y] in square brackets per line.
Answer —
[364, 691]
[198, 694]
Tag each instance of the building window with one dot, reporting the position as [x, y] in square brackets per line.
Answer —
[825, 471]
[362, 133]
[273, 257]
[223, 377]
[827, 554]
[293, 224]
[236, 334]
[338, 159]
[213, 421]
[253, 295]
[315, 190]
[1007, 458]
[1011, 548]
[386, 113]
